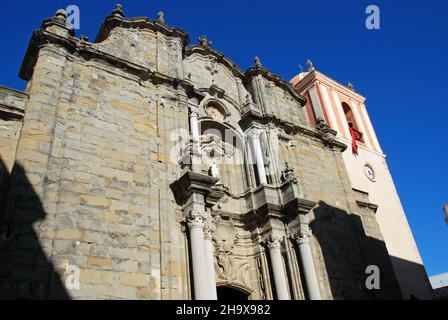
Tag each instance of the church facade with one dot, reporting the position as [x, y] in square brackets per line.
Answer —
[138, 167]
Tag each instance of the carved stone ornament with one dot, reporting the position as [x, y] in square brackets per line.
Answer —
[288, 174]
[215, 112]
[209, 230]
[326, 133]
[214, 150]
[228, 269]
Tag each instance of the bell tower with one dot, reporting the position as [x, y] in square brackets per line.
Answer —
[344, 110]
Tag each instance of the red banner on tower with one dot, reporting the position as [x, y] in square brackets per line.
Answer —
[356, 135]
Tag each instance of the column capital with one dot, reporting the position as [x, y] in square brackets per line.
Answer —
[196, 219]
[194, 112]
[255, 134]
[303, 236]
[274, 241]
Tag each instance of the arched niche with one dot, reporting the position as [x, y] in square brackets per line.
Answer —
[223, 146]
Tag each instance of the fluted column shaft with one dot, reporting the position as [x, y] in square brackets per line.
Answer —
[196, 227]
[309, 270]
[210, 264]
[278, 270]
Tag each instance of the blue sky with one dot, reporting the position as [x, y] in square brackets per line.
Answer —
[402, 69]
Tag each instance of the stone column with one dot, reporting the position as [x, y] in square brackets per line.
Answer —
[303, 241]
[210, 261]
[281, 287]
[194, 127]
[259, 157]
[196, 227]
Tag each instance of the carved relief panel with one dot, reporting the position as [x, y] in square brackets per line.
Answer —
[230, 269]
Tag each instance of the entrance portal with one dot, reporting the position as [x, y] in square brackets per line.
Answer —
[231, 294]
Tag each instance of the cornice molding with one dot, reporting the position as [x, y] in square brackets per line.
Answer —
[87, 51]
[254, 71]
[317, 76]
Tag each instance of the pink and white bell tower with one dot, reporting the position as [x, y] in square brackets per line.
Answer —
[341, 107]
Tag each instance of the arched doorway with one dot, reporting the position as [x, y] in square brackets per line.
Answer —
[231, 294]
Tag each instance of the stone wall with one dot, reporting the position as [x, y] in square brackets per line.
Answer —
[12, 107]
[346, 238]
[96, 151]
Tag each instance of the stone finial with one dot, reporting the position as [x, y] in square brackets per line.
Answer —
[118, 11]
[204, 41]
[161, 17]
[350, 86]
[310, 65]
[257, 62]
[61, 14]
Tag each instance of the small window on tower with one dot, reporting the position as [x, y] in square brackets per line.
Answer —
[354, 130]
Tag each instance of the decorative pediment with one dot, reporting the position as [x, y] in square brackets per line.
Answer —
[218, 57]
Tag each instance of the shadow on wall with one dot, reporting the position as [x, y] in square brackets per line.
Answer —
[25, 271]
[411, 272]
[347, 251]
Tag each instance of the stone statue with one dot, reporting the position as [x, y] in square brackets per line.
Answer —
[213, 171]
[288, 174]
